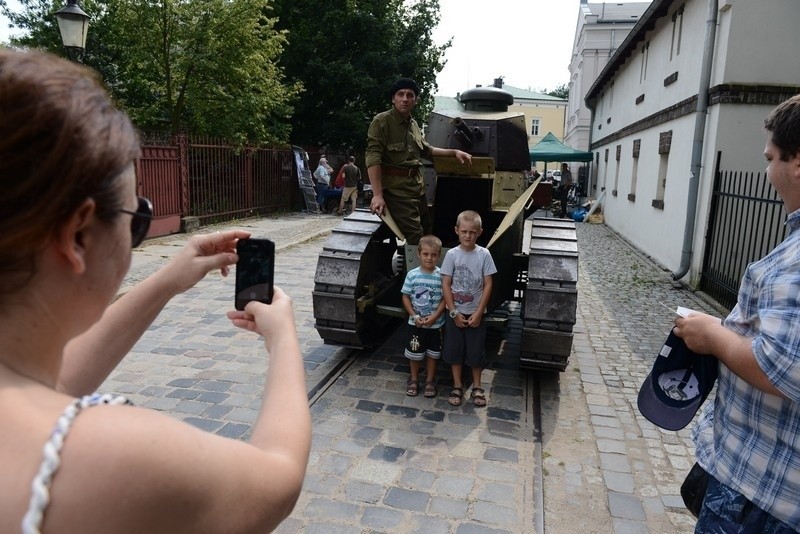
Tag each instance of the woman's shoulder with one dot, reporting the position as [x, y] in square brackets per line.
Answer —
[144, 458]
[111, 454]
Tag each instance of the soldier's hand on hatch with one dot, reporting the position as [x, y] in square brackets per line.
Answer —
[377, 204]
[463, 157]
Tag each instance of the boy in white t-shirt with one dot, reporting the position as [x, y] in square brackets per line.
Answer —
[467, 283]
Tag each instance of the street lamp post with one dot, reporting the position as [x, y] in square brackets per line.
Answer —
[73, 23]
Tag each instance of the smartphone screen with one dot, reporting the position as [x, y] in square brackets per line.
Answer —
[254, 271]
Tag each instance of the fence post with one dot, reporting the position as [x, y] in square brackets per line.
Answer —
[183, 172]
[248, 177]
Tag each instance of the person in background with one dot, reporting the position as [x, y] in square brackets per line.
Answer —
[422, 300]
[73, 460]
[352, 175]
[395, 147]
[322, 176]
[566, 174]
[339, 183]
[467, 286]
[564, 188]
[749, 439]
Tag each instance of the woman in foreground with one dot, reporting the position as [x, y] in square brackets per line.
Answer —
[70, 217]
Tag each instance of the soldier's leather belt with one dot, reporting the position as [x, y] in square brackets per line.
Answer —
[398, 171]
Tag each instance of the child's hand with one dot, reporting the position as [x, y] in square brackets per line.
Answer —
[474, 320]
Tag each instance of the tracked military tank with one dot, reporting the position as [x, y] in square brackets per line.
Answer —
[361, 268]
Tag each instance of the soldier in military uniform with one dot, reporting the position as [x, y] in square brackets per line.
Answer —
[394, 148]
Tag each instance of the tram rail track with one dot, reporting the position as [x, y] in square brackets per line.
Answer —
[533, 417]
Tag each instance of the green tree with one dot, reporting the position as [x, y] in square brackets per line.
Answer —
[206, 66]
[347, 53]
[562, 91]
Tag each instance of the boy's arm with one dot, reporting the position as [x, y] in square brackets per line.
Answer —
[433, 317]
[475, 319]
[407, 305]
[488, 280]
[439, 311]
[447, 292]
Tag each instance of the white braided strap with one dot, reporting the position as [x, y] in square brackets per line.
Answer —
[51, 458]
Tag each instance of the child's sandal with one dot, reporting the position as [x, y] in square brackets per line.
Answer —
[478, 397]
[411, 388]
[456, 396]
[430, 390]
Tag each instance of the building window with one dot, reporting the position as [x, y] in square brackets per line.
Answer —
[535, 126]
[664, 146]
[677, 32]
[616, 172]
[637, 143]
[643, 71]
[611, 97]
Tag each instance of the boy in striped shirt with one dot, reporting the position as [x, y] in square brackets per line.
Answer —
[422, 300]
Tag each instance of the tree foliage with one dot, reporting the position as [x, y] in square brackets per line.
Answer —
[207, 66]
[216, 67]
[347, 53]
[562, 91]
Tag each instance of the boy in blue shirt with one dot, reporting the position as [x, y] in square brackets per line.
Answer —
[467, 283]
[422, 300]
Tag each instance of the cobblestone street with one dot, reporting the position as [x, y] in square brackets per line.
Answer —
[385, 462]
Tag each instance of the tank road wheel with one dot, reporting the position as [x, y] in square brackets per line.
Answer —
[551, 295]
[354, 275]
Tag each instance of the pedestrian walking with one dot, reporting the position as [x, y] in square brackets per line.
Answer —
[352, 175]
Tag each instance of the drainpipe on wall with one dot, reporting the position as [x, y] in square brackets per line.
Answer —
[697, 141]
[590, 170]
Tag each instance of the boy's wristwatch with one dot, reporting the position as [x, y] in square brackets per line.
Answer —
[453, 314]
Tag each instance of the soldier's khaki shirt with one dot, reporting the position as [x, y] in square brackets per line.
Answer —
[393, 140]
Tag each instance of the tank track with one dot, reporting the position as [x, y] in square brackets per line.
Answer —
[551, 295]
[354, 273]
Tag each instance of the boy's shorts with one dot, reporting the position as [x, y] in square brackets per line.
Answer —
[423, 342]
[464, 345]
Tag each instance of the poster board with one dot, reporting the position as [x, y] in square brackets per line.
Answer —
[304, 180]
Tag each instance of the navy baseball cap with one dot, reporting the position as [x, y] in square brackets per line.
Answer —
[677, 385]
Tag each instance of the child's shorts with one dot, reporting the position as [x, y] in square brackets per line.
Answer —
[464, 345]
[423, 342]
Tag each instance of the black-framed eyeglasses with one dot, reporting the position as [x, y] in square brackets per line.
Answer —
[140, 221]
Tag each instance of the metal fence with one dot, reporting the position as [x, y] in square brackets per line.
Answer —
[746, 221]
[215, 181]
[225, 182]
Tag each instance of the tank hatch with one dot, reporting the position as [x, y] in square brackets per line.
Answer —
[486, 99]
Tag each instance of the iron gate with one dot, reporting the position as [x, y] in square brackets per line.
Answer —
[746, 221]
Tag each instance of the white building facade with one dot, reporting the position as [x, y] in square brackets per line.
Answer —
[601, 29]
[655, 153]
